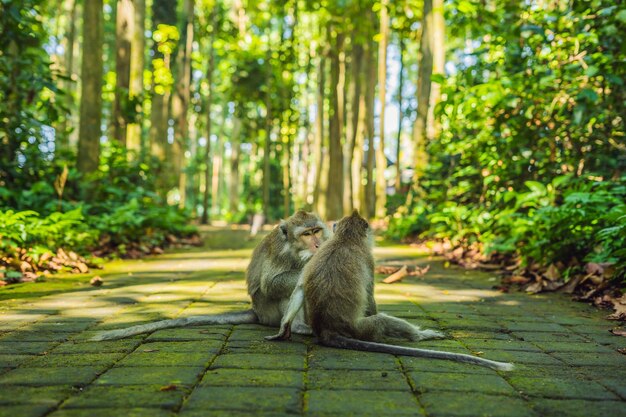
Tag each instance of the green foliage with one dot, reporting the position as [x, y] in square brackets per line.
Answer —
[530, 157]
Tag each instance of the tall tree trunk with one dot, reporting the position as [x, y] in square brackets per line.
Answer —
[163, 12]
[439, 61]
[180, 100]
[218, 163]
[381, 159]
[370, 94]
[423, 95]
[91, 86]
[267, 145]
[334, 204]
[286, 178]
[354, 128]
[124, 33]
[233, 187]
[398, 182]
[207, 154]
[137, 62]
[320, 183]
[64, 128]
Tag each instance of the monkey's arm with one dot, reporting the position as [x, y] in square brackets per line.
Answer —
[280, 285]
[296, 301]
[371, 302]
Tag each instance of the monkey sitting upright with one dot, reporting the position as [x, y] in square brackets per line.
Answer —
[271, 276]
[335, 289]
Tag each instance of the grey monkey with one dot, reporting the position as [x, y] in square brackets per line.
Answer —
[335, 289]
[271, 277]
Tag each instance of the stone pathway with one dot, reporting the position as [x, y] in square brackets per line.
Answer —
[567, 361]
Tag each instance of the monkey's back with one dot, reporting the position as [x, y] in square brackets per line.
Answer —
[335, 286]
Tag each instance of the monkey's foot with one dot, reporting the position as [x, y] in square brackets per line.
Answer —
[283, 334]
[428, 334]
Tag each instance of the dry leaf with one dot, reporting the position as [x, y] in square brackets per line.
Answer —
[96, 281]
[534, 288]
[552, 273]
[622, 351]
[170, 387]
[420, 272]
[618, 332]
[517, 279]
[396, 276]
[150, 350]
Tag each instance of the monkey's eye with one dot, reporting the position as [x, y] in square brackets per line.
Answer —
[307, 233]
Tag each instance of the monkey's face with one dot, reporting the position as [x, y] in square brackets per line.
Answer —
[305, 233]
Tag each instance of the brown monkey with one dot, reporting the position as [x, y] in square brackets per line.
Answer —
[271, 277]
[335, 287]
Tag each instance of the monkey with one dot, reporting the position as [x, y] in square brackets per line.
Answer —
[334, 290]
[271, 276]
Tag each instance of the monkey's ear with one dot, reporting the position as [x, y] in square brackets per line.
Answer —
[283, 228]
[355, 213]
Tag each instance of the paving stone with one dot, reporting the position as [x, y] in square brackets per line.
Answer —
[230, 413]
[73, 359]
[48, 395]
[129, 396]
[178, 347]
[150, 358]
[157, 375]
[511, 344]
[253, 378]
[326, 358]
[109, 346]
[436, 381]
[536, 327]
[188, 334]
[12, 361]
[56, 324]
[287, 400]
[530, 336]
[561, 388]
[361, 403]
[587, 346]
[615, 384]
[266, 347]
[538, 358]
[444, 366]
[324, 379]
[50, 376]
[578, 408]
[449, 404]
[35, 410]
[111, 412]
[20, 348]
[591, 358]
[259, 361]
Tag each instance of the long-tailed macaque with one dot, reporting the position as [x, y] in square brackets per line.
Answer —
[271, 277]
[335, 289]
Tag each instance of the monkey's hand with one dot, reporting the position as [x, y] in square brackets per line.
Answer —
[283, 334]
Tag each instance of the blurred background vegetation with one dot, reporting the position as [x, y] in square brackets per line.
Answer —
[495, 127]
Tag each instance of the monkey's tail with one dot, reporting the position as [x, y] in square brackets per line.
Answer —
[342, 342]
[238, 317]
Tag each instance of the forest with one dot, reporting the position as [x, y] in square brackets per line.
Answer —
[493, 130]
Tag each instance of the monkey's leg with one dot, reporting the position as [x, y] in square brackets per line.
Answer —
[383, 325]
[239, 317]
[342, 342]
[295, 305]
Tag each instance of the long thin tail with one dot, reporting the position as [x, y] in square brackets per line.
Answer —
[238, 317]
[342, 342]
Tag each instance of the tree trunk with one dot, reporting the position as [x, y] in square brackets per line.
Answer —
[91, 86]
[233, 187]
[207, 154]
[439, 61]
[180, 101]
[423, 94]
[334, 203]
[124, 33]
[163, 12]
[63, 142]
[398, 182]
[319, 193]
[381, 159]
[267, 145]
[137, 61]
[354, 128]
[370, 94]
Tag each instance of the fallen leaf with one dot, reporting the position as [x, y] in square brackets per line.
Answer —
[396, 276]
[479, 353]
[618, 332]
[420, 272]
[96, 281]
[534, 288]
[517, 279]
[150, 350]
[552, 273]
[170, 387]
[2, 283]
[594, 268]
[622, 351]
